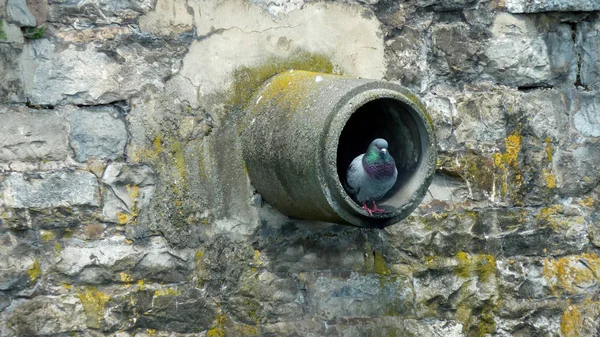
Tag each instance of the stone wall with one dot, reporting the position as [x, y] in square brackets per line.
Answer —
[126, 209]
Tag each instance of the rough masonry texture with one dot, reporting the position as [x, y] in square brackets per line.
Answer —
[126, 210]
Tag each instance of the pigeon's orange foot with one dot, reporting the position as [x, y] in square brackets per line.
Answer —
[377, 210]
[366, 208]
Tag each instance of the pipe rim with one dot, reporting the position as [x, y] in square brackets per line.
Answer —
[332, 186]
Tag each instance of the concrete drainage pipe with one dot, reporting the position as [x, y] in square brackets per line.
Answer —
[302, 129]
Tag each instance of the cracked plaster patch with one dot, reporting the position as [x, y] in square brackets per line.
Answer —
[237, 33]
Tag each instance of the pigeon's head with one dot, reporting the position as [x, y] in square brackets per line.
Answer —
[379, 146]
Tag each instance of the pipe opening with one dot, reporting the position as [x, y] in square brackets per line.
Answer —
[407, 137]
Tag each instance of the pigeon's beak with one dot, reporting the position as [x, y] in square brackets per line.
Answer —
[384, 150]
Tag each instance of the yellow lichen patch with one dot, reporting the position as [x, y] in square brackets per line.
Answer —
[379, 264]
[513, 147]
[122, 218]
[67, 286]
[552, 217]
[46, 236]
[133, 191]
[572, 274]
[166, 292]
[141, 285]
[149, 153]
[247, 330]
[94, 305]
[151, 332]
[199, 255]
[549, 150]
[125, 277]
[34, 272]
[246, 80]
[587, 201]
[257, 258]
[179, 160]
[571, 321]
[550, 179]
[480, 265]
[507, 165]
[218, 329]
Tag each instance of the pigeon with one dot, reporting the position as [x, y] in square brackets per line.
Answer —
[371, 175]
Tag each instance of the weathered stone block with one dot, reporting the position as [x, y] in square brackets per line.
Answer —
[130, 190]
[98, 12]
[13, 33]
[18, 13]
[536, 6]
[89, 76]
[577, 170]
[458, 49]
[407, 62]
[181, 310]
[359, 295]
[97, 132]
[32, 135]
[45, 315]
[101, 261]
[522, 54]
[39, 9]
[19, 268]
[587, 118]
[588, 44]
[446, 5]
[11, 83]
[50, 189]
[547, 113]
[481, 118]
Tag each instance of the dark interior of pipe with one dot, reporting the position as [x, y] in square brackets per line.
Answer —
[394, 121]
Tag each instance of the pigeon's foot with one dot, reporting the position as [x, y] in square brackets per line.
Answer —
[377, 210]
[366, 208]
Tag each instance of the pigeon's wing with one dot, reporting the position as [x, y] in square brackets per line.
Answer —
[355, 175]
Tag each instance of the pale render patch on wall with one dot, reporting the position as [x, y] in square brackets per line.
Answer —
[239, 34]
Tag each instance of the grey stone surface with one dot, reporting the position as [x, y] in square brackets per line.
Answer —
[333, 297]
[45, 315]
[587, 119]
[447, 5]
[32, 135]
[102, 261]
[577, 169]
[130, 190]
[588, 39]
[17, 12]
[547, 113]
[11, 83]
[13, 33]
[408, 63]
[50, 189]
[523, 56]
[97, 12]
[39, 9]
[17, 259]
[457, 48]
[91, 75]
[534, 6]
[97, 133]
